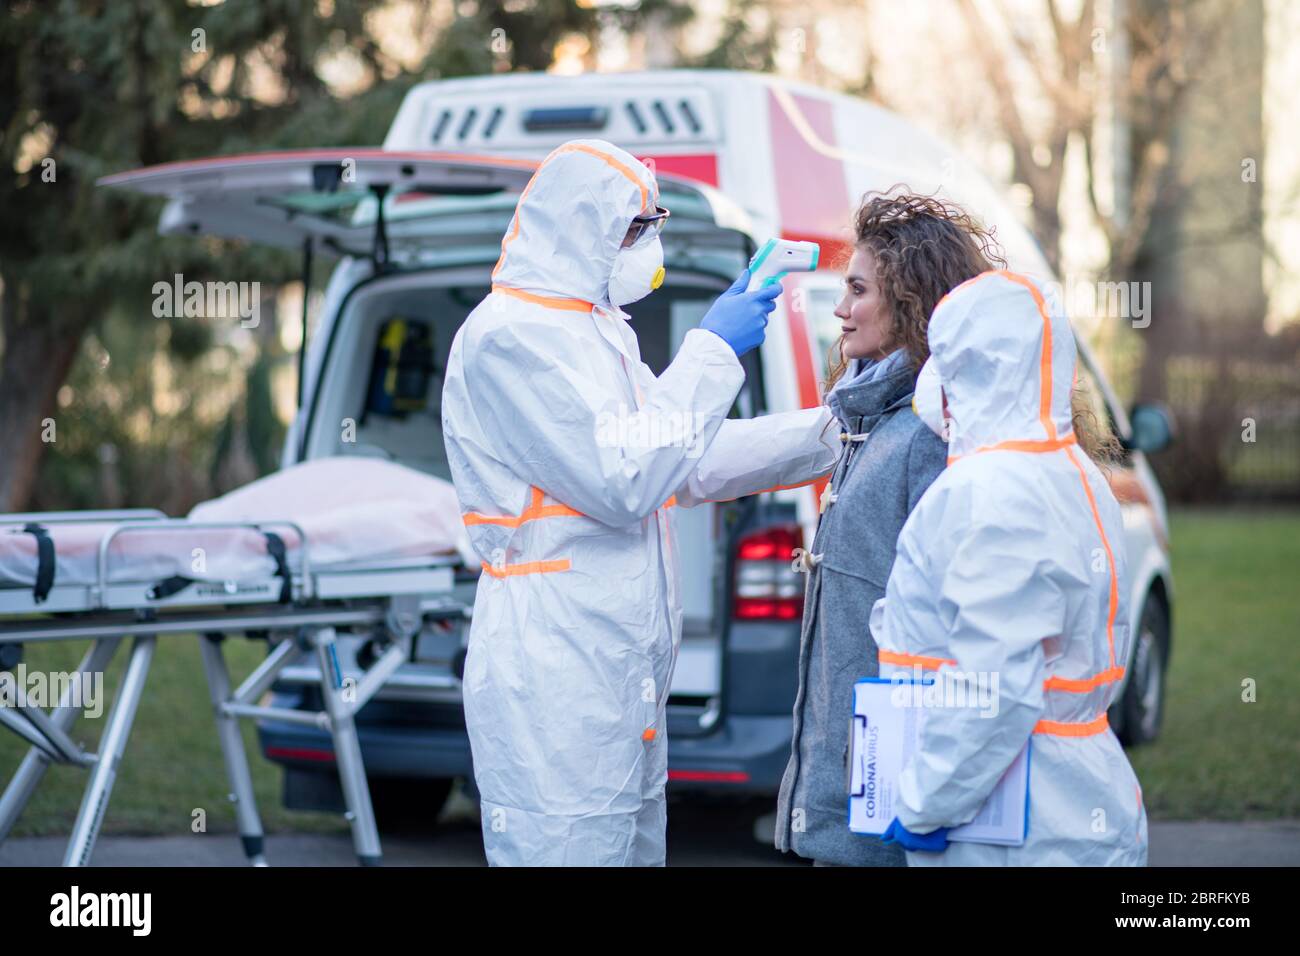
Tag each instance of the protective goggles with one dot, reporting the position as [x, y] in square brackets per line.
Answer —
[645, 227]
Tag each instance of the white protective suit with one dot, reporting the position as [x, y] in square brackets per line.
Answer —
[1011, 568]
[577, 617]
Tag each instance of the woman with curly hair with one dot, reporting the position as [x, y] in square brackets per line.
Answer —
[908, 252]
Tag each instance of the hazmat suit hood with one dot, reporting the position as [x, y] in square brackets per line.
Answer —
[571, 219]
[1005, 355]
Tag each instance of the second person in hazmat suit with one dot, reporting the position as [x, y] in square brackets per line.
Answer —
[1009, 577]
[577, 617]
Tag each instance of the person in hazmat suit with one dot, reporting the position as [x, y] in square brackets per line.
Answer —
[1009, 577]
[555, 434]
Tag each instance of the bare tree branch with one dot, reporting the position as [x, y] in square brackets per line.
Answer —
[1013, 125]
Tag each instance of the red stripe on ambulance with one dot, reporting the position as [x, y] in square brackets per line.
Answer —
[813, 203]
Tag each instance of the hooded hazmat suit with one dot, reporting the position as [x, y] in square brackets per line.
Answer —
[1010, 569]
[577, 618]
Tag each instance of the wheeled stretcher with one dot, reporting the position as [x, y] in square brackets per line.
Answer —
[114, 577]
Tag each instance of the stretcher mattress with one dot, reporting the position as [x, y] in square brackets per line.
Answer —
[351, 510]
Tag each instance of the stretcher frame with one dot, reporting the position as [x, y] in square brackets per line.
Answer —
[396, 599]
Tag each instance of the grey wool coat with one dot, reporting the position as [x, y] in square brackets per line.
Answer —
[876, 484]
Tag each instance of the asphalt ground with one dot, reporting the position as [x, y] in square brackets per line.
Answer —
[700, 833]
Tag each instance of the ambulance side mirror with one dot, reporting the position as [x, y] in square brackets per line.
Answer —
[1152, 428]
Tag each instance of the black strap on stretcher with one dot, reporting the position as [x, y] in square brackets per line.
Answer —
[44, 561]
[168, 586]
[274, 547]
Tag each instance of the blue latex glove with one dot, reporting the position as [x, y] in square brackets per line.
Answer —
[740, 317]
[935, 842]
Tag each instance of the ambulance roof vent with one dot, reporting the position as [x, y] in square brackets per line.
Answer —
[455, 126]
[669, 116]
[688, 113]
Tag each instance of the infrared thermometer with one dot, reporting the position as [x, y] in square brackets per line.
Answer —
[778, 257]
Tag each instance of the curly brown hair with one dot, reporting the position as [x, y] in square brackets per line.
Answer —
[1092, 432]
[923, 247]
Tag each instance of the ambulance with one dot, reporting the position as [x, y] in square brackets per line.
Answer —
[415, 228]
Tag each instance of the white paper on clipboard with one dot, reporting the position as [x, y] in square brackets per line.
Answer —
[883, 737]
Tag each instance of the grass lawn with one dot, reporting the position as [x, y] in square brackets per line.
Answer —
[1236, 616]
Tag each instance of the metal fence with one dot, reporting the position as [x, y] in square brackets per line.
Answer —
[1238, 429]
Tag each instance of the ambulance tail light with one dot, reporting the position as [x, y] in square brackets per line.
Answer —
[766, 587]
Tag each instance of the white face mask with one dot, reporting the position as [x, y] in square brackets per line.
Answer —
[927, 400]
[637, 272]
